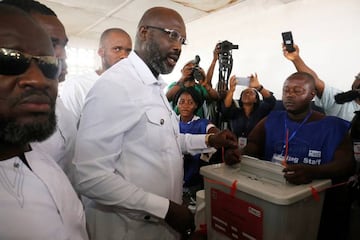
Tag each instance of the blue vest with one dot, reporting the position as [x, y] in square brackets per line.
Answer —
[312, 143]
[192, 164]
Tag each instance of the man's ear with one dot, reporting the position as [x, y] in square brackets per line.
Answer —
[142, 32]
[101, 52]
[313, 93]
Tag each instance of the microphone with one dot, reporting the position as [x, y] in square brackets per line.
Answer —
[348, 96]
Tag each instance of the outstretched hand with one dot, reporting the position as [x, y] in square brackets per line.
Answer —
[232, 156]
[299, 173]
[225, 139]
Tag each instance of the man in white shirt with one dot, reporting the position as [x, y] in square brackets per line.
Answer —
[324, 93]
[128, 154]
[37, 200]
[115, 45]
[60, 145]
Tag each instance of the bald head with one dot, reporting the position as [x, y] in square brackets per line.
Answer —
[155, 14]
[307, 77]
[110, 31]
[115, 45]
[161, 33]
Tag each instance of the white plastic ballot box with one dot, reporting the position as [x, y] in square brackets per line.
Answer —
[252, 200]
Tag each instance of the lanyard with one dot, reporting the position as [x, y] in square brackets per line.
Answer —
[288, 139]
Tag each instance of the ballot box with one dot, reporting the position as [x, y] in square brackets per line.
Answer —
[252, 200]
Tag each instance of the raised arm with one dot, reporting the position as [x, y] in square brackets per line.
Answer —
[300, 66]
[210, 71]
[230, 93]
[186, 73]
[254, 83]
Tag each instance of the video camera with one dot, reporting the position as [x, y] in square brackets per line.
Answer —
[226, 47]
[225, 56]
[348, 96]
[196, 70]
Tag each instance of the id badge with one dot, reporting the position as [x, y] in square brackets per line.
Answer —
[242, 141]
[357, 151]
[277, 158]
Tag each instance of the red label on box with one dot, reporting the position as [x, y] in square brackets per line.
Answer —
[234, 217]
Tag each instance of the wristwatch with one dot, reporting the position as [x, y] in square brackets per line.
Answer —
[207, 136]
[259, 88]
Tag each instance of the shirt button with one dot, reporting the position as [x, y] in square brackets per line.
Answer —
[16, 165]
[162, 121]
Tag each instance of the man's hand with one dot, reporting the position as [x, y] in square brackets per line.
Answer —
[291, 55]
[232, 156]
[224, 139]
[187, 71]
[181, 219]
[299, 173]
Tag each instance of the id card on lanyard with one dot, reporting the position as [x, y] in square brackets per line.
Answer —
[242, 141]
[282, 158]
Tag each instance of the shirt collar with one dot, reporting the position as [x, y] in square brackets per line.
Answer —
[195, 117]
[147, 76]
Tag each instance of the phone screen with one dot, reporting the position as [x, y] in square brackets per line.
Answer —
[244, 81]
[288, 41]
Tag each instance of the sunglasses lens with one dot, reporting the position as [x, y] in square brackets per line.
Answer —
[49, 68]
[13, 63]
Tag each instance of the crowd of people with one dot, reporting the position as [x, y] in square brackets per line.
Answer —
[116, 155]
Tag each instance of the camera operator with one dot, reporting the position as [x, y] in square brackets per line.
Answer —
[193, 76]
[324, 93]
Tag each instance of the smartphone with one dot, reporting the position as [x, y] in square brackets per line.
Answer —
[288, 41]
[244, 81]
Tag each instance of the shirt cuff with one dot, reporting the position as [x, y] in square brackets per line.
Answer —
[157, 206]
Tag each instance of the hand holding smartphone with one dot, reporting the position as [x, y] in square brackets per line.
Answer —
[288, 41]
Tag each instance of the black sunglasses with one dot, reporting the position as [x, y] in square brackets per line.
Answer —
[13, 62]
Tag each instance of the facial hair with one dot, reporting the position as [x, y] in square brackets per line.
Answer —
[15, 133]
[155, 60]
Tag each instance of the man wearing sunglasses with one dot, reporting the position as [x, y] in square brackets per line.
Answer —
[61, 144]
[35, 194]
[128, 154]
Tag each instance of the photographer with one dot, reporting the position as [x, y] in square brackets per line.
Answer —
[193, 76]
[325, 93]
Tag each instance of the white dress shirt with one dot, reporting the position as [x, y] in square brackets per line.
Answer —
[60, 145]
[39, 203]
[74, 91]
[331, 108]
[128, 150]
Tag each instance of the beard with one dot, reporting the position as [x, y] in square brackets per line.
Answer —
[15, 133]
[155, 60]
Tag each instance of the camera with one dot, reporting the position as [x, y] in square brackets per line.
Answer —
[227, 46]
[196, 70]
[225, 56]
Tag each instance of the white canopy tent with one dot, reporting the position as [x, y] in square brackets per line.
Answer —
[325, 30]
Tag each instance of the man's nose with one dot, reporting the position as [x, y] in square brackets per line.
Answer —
[34, 77]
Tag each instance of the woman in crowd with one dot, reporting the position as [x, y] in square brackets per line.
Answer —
[188, 102]
[243, 118]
